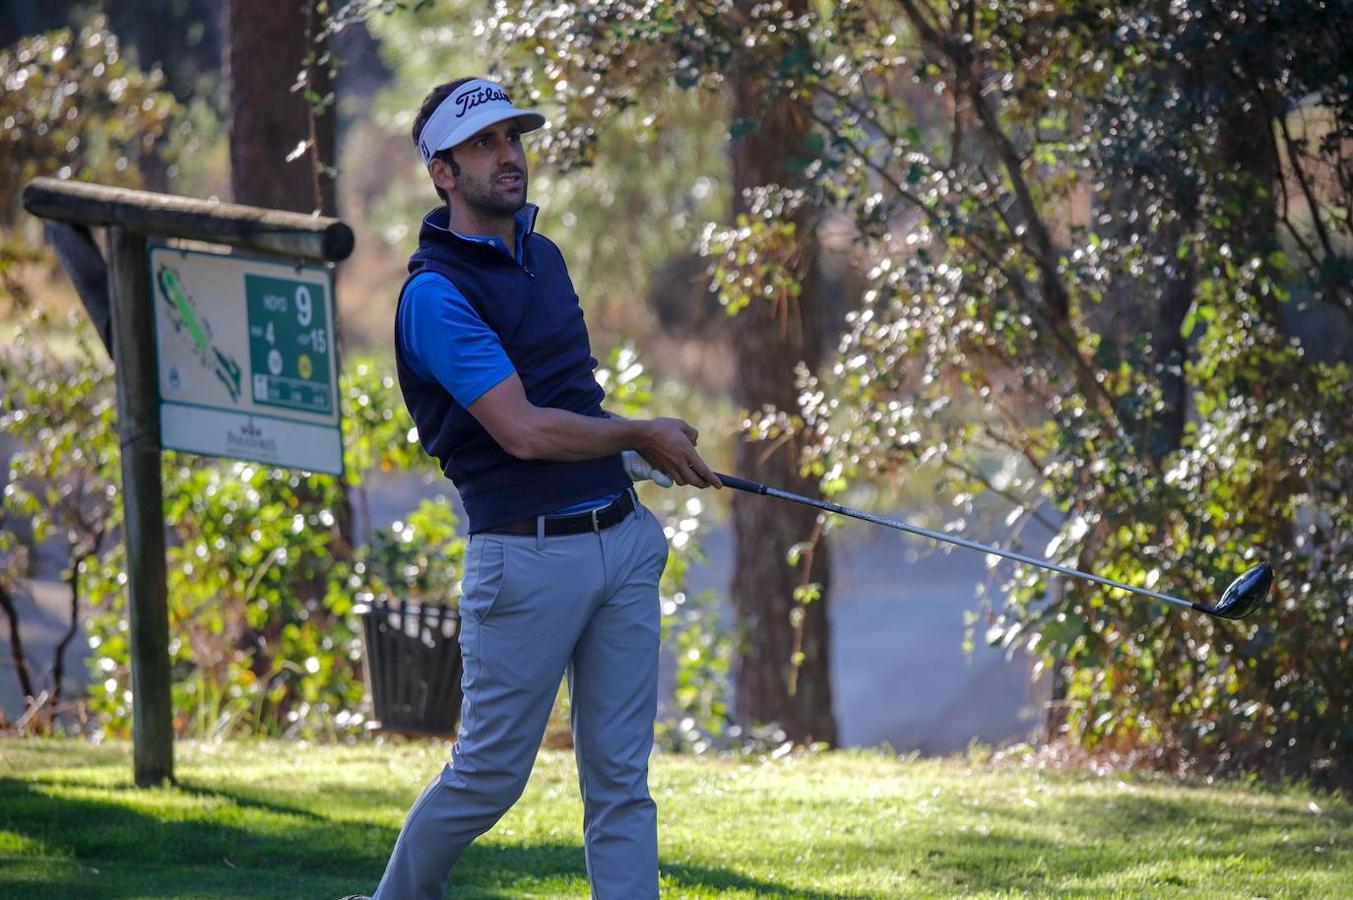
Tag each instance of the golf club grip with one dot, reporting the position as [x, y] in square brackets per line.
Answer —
[741, 484]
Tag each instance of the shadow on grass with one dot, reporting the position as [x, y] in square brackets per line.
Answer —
[177, 842]
[245, 801]
[195, 841]
[1101, 838]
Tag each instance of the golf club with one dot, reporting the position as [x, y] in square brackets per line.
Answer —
[1242, 597]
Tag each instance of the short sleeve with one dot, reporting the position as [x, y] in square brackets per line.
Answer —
[445, 340]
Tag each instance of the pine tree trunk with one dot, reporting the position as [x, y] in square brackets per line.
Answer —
[268, 44]
[769, 341]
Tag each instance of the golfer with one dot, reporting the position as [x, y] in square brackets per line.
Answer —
[562, 567]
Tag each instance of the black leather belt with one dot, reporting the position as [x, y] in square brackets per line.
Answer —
[598, 519]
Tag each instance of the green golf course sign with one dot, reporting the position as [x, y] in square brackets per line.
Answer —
[289, 341]
[247, 359]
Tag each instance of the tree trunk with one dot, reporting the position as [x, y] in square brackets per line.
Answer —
[1236, 73]
[182, 37]
[268, 44]
[768, 342]
[1170, 353]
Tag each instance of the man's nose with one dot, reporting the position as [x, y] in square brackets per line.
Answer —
[511, 152]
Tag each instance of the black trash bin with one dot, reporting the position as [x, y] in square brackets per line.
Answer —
[413, 666]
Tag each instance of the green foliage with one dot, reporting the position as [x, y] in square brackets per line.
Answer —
[60, 485]
[262, 637]
[72, 107]
[752, 261]
[1081, 223]
[261, 589]
[998, 321]
[59, 479]
[618, 215]
[701, 644]
[700, 641]
[418, 559]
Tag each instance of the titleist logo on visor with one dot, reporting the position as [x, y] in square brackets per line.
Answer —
[478, 97]
[467, 110]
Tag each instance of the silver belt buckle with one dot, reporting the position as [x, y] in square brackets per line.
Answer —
[596, 525]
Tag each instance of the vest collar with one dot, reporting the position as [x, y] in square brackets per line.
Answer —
[436, 225]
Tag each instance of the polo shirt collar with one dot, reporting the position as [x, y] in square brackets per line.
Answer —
[440, 220]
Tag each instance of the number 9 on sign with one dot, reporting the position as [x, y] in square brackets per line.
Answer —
[304, 308]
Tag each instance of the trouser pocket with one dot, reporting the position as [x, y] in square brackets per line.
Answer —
[482, 580]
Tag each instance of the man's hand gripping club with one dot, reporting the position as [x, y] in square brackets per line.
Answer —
[668, 445]
[528, 431]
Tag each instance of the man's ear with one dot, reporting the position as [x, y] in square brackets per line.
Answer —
[441, 175]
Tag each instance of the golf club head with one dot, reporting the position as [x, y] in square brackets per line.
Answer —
[1246, 594]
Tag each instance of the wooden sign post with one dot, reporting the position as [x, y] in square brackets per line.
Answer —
[131, 217]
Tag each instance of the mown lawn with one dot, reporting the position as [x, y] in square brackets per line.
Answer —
[294, 821]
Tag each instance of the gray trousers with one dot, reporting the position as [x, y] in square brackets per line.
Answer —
[532, 610]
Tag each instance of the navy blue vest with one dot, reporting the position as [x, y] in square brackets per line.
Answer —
[534, 310]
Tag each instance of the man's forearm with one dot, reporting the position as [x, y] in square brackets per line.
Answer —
[562, 436]
[528, 431]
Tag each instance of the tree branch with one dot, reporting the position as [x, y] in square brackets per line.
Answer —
[1056, 297]
[1024, 507]
[1294, 159]
[16, 643]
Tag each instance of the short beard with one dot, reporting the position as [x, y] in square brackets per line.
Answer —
[486, 201]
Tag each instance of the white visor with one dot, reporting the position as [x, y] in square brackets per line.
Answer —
[466, 111]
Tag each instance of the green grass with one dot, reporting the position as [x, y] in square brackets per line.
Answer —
[294, 821]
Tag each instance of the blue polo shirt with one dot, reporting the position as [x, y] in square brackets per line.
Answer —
[446, 341]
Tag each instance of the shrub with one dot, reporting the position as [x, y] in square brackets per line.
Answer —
[263, 567]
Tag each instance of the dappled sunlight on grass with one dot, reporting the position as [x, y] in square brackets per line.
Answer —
[270, 819]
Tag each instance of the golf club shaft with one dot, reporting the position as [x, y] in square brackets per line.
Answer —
[755, 487]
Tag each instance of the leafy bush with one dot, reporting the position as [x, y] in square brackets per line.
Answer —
[262, 636]
[418, 559]
[262, 583]
[1137, 369]
[73, 107]
[262, 575]
[693, 631]
[1094, 233]
[62, 479]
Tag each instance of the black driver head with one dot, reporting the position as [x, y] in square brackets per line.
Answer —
[1246, 594]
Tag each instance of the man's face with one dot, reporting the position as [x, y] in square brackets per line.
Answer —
[492, 179]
